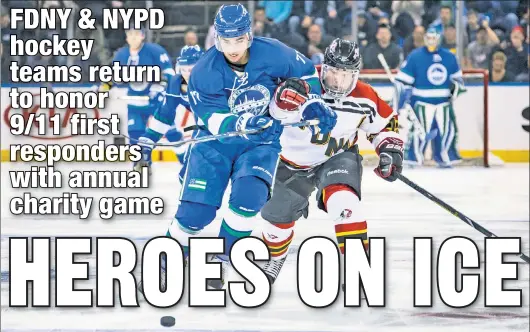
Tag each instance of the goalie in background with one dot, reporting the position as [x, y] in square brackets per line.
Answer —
[427, 83]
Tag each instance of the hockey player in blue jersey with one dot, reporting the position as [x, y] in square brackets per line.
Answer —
[176, 100]
[231, 89]
[429, 80]
[140, 53]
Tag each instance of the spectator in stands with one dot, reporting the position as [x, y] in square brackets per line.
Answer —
[445, 18]
[259, 22]
[277, 12]
[499, 72]
[473, 24]
[317, 43]
[414, 41]
[5, 29]
[414, 9]
[100, 52]
[307, 12]
[344, 13]
[406, 16]
[379, 8]
[191, 38]
[449, 38]
[391, 51]
[366, 28]
[384, 20]
[517, 55]
[479, 52]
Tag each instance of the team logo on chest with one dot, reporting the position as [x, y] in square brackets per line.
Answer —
[253, 99]
[437, 74]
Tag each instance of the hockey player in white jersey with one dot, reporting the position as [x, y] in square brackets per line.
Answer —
[331, 163]
[429, 80]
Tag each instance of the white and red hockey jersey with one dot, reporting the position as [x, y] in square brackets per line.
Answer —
[361, 109]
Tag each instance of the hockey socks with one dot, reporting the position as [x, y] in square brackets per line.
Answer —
[278, 238]
[181, 234]
[344, 207]
[235, 226]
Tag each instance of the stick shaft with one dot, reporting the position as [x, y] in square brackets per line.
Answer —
[453, 211]
[233, 134]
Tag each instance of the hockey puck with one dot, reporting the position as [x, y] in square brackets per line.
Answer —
[167, 321]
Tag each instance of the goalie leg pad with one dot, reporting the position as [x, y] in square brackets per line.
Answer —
[445, 150]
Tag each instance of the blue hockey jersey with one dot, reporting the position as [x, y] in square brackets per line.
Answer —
[164, 117]
[217, 93]
[149, 55]
[430, 75]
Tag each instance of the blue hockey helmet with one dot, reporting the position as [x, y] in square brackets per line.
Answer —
[432, 39]
[189, 55]
[232, 21]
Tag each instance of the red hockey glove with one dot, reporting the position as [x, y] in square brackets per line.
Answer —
[291, 94]
[390, 152]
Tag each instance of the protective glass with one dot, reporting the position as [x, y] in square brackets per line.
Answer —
[338, 82]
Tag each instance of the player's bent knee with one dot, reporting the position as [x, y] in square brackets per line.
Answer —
[195, 216]
[249, 194]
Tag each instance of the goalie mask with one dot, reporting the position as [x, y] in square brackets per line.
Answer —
[432, 39]
[341, 67]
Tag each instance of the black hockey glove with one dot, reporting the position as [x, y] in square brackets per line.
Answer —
[291, 94]
[390, 152]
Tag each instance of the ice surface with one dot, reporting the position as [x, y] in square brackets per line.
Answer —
[497, 198]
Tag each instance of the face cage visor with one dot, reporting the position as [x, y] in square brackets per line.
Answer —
[233, 45]
[338, 82]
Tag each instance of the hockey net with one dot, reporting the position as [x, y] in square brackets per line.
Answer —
[471, 112]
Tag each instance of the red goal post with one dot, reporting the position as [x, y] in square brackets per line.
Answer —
[470, 108]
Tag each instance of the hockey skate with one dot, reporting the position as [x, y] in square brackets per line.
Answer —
[219, 283]
[272, 269]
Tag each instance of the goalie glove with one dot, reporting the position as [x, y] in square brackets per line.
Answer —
[291, 94]
[147, 146]
[390, 151]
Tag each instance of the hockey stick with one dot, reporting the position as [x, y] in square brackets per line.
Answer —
[410, 112]
[230, 134]
[452, 210]
[145, 98]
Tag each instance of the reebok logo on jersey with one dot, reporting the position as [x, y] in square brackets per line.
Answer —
[338, 171]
